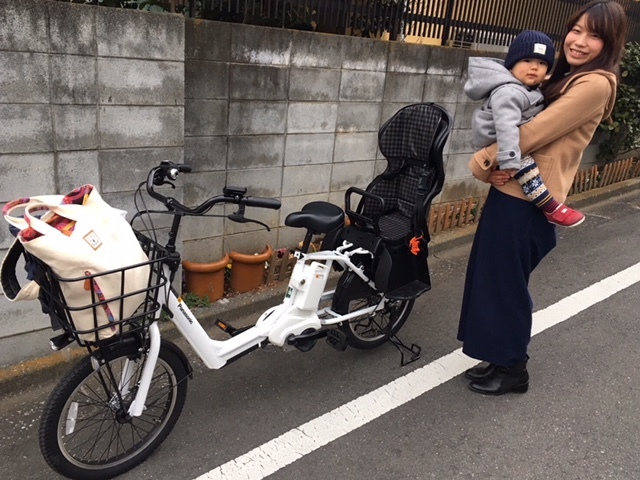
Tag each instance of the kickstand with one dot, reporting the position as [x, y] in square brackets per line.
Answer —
[414, 350]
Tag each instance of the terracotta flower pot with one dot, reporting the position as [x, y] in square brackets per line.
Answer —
[247, 271]
[206, 279]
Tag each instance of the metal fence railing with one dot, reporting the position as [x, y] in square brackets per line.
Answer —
[460, 23]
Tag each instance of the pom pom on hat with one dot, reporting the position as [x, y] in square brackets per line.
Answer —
[530, 44]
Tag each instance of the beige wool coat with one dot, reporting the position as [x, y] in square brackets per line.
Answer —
[557, 137]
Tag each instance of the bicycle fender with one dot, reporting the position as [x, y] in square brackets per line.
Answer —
[175, 349]
[350, 287]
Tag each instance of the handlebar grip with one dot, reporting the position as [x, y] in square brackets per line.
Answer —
[260, 202]
[184, 168]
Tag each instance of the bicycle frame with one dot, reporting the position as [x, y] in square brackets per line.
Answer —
[298, 312]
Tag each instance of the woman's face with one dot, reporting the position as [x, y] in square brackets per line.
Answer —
[580, 45]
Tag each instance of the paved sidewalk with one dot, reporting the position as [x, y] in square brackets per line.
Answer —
[250, 305]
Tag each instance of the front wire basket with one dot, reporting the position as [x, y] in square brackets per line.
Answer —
[105, 319]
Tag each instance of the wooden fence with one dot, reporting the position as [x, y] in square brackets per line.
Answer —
[280, 266]
[447, 216]
[598, 177]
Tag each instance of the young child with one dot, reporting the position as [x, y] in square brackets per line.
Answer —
[512, 96]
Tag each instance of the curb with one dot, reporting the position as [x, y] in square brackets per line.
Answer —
[253, 303]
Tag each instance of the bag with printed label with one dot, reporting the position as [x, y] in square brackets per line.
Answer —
[80, 237]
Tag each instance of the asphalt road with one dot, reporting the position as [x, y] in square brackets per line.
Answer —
[579, 420]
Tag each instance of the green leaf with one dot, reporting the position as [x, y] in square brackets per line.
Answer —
[625, 129]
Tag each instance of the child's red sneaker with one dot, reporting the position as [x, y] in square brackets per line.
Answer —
[565, 216]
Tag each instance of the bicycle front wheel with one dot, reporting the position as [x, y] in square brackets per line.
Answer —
[85, 432]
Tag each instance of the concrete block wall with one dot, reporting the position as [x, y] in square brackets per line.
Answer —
[295, 115]
[87, 95]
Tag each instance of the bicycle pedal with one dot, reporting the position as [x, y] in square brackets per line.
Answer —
[337, 340]
[225, 327]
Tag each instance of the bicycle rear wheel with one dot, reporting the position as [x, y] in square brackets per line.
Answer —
[85, 432]
[372, 330]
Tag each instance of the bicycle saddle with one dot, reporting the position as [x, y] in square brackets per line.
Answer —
[319, 217]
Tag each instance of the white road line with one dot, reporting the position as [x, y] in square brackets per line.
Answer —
[298, 442]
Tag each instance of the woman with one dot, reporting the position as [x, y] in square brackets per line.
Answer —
[513, 235]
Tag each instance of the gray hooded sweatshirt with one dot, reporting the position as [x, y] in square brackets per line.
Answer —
[508, 103]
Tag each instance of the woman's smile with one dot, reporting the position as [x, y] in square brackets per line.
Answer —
[581, 45]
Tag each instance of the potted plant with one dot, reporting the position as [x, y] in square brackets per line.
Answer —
[205, 279]
[247, 271]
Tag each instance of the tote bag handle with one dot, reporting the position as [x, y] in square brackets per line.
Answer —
[94, 206]
[22, 204]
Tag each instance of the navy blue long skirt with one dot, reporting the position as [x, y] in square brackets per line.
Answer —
[497, 312]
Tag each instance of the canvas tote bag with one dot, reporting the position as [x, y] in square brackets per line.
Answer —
[78, 236]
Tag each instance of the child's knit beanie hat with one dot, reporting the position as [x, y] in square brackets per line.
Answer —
[530, 44]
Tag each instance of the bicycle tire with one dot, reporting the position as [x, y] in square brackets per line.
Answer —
[373, 330]
[84, 432]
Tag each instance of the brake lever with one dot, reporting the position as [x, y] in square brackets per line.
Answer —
[240, 218]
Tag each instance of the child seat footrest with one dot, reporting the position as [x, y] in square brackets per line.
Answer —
[409, 291]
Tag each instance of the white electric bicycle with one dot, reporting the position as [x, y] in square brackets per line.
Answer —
[119, 403]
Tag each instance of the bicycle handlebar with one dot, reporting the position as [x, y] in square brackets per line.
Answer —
[261, 202]
[166, 171]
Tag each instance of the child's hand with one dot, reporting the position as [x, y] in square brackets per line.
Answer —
[499, 177]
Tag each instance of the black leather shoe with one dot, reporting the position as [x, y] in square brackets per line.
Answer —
[503, 380]
[480, 372]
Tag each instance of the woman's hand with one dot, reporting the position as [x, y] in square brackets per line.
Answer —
[500, 177]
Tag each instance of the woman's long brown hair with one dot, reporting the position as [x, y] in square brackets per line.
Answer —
[607, 19]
